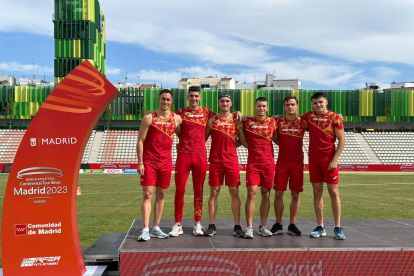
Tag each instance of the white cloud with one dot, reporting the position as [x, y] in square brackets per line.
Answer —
[18, 68]
[236, 32]
[112, 70]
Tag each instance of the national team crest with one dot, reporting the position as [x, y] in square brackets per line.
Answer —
[33, 142]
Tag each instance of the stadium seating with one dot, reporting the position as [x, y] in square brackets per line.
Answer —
[392, 147]
[88, 148]
[353, 152]
[118, 146]
[9, 143]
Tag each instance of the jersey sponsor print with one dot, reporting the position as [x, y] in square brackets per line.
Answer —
[259, 138]
[193, 128]
[224, 133]
[159, 140]
[290, 137]
[322, 133]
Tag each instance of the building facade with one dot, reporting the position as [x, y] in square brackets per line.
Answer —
[79, 32]
[207, 83]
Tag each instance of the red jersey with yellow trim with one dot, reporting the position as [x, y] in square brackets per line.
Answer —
[322, 133]
[290, 137]
[224, 135]
[159, 140]
[259, 138]
[193, 129]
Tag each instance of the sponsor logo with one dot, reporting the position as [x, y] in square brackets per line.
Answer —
[93, 171]
[362, 166]
[320, 119]
[54, 141]
[259, 126]
[113, 171]
[80, 170]
[162, 123]
[20, 229]
[40, 261]
[294, 130]
[39, 170]
[130, 171]
[335, 177]
[251, 123]
[195, 116]
[346, 167]
[224, 124]
[108, 166]
[407, 167]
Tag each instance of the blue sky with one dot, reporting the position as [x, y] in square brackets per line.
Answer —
[326, 44]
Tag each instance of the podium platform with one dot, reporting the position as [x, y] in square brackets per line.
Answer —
[377, 246]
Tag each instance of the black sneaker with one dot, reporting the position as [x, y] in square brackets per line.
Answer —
[293, 230]
[277, 228]
[211, 230]
[238, 232]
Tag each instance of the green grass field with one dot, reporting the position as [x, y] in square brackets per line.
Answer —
[109, 203]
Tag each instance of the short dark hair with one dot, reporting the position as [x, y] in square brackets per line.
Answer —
[318, 95]
[261, 99]
[165, 91]
[291, 98]
[193, 89]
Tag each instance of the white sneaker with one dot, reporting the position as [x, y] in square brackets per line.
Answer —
[198, 230]
[248, 232]
[176, 230]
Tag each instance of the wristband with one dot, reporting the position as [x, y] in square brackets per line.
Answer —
[140, 163]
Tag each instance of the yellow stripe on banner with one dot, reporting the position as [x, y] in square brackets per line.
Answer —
[17, 94]
[366, 103]
[411, 103]
[33, 108]
[246, 102]
[295, 93]
[76, 48]
[381, 119]
[91, 6]
[129, 117]
[2, 116]
[85, 10]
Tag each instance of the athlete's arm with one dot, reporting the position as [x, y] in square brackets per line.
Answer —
[242, 136]
[275, 138]
[143, 131]
[178, 122]
[208, 127]
[238, 115]
[341, 144]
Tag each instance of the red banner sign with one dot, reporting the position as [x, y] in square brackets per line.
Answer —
[268, 263]
[39, 231]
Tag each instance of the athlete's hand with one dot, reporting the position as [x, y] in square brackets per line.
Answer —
[277, 116]
[245, 118]
[141, 169]
[239, 116]
[333, 165]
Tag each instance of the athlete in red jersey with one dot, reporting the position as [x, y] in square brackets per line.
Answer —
[224, 161]
[324, 128]
[260, 131]
[191, 156]
[154, 149]
[289, 167]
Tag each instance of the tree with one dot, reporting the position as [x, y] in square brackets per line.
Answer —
[9, 108]
[108, 115]
[387, 113]
[143, 111]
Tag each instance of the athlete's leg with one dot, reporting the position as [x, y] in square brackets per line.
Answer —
[146, 204]
[213, 203]
[279, 206]
[294, 206]
[199, 175]
[159, 204]
[235, 203]
[318, 201]
[182, 171]
[265, 205]
[335, 202]
[250, 207]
